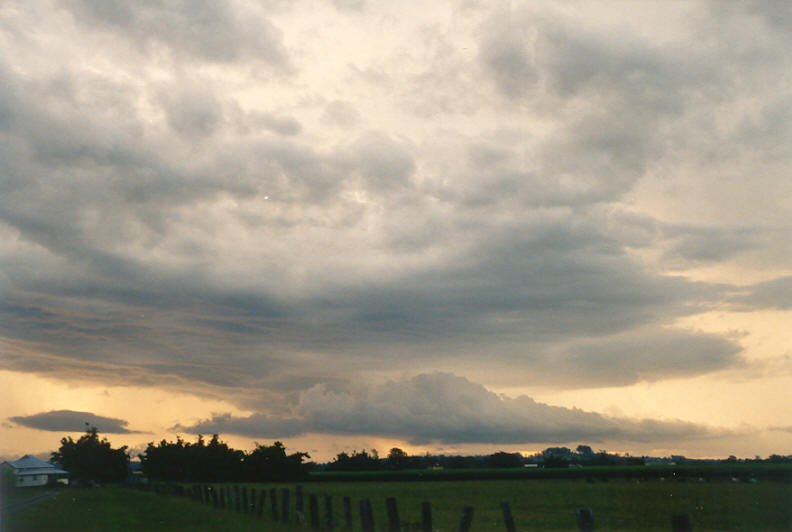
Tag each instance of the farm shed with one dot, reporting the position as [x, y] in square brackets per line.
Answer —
[30, 471]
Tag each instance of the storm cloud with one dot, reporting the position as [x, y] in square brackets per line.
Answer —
[445, 408]
[266, 202]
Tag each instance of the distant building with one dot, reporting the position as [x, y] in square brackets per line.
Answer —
[30, 471]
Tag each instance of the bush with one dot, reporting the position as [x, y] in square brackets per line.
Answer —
[7, 481]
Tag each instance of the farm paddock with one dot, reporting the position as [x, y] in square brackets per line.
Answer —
[536, 504]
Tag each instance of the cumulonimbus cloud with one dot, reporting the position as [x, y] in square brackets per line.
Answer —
[445, 408]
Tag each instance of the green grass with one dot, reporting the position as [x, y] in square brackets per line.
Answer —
[11, 495]
[551, 504]
[536, 505]
[117, 508]
[708, 471]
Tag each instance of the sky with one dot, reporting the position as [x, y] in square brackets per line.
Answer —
[453, 227]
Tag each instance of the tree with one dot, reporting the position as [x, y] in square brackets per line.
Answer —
[90, 458]
[504, 459]
[272, 463]
[397, 459]
[197, 462]
[217, 462]
[584, 450]
[357, 461]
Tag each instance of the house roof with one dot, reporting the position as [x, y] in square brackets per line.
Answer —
[30, 462]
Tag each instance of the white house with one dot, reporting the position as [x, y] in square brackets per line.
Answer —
[30, 471]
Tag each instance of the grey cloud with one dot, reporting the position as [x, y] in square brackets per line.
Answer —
[209, 31]
[191, 110]
[710, 244]
[505, 53]
[284, 125]
[776, 293]
[349, 5]
[768, 131]
[133, 253]
[125, 181]
[72, 421]
[640, 355]
[519, 289]
[622, 97]
[775, 16]
[340, 113]
[256, 425]
[384, 162]
[543, 276]
[441, 407]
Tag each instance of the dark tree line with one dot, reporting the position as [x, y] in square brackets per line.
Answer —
[217, 462]
[398, 459]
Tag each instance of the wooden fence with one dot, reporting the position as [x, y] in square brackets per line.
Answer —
[253, 502]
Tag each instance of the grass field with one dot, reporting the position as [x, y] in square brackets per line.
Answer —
[536, 505]
[717, 471]
[116, 508]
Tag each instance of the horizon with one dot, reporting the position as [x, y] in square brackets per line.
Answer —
[452, 228]
[135, 455]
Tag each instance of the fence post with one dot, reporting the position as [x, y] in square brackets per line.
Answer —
[237, 500]
[223, 497]
[285, 506]
[348, 512]
[681, 523]
[313, 510]
[298, 504]
[585, 519]
[508, 519]
[328, 512]
[426, 516]
[467, 519]
[261, 501]
[245, 507]
[393, 514]
[274, 503]
[366, 516]
[213, 492]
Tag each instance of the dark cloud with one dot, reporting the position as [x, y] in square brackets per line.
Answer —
[641, 355]
[177, 212]
[444, 408]
[72, 421]
[519, 289]
[506, 54]
[776, 294]
[384, 163]
[208, 31]
[711, 244]
[191, 110]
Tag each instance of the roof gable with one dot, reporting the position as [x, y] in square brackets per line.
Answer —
[30, 462]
